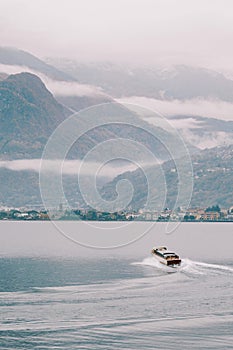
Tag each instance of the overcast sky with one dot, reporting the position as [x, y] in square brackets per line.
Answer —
[141, 31]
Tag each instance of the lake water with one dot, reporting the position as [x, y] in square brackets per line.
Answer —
[55, 294]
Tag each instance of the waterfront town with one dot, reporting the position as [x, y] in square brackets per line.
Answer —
[210, 214]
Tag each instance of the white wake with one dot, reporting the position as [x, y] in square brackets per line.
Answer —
[187, 266]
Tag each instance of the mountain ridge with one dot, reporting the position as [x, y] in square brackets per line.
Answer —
[178, 82]
[13, 56]
[28, 115]
[212, 176]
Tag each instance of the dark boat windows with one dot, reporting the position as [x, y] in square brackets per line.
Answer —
[160, 254]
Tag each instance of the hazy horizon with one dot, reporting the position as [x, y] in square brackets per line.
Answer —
[138, 32]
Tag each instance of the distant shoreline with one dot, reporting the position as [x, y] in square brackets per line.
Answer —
[107, 221]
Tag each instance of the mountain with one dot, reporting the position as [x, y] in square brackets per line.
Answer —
[212, 176]
[21, 188]
[3, 76]
[78, 103]
[28, 115]
[15, 57]
[212, 183]
[201, 132]
[65, 87]
[30, 112]
[177, 82]
[197, 101]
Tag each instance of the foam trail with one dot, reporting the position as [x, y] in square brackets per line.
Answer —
[213, 266]
[187, 266]
[150, 261]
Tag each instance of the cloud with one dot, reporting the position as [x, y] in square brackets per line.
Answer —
[70, 167]
[194, 107]
[63, 88]
[193, 129]
[71, 88]
[22, 164]
[208, 139]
